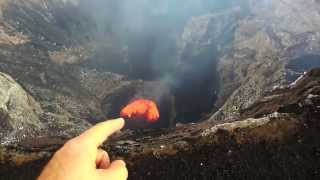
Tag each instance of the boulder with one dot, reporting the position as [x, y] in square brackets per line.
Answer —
[19, 112]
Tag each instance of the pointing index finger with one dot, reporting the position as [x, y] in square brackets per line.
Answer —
[96, 135]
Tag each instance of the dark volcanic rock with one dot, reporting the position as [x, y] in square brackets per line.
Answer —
[266, 45]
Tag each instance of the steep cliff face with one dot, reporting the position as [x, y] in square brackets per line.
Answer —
[257, 46]
[276, 33]
[204, 40]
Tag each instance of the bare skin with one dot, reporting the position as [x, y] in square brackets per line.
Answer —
[81, 159]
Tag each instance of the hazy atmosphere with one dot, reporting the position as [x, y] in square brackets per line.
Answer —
[208, 89]
[148, 34]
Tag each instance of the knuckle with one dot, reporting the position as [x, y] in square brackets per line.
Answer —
[70, 148]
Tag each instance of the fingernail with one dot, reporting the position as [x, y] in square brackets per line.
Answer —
[121, 119]
[118, 119]
[122, 162]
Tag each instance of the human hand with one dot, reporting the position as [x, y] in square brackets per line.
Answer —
[81, 159]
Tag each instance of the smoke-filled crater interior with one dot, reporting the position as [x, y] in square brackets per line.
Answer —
[181, 79]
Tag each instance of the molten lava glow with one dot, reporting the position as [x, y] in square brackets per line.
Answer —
[141, 109]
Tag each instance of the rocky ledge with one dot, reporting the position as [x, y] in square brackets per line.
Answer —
[276, 138]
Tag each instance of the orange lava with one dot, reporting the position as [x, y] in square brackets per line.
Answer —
[141, 109]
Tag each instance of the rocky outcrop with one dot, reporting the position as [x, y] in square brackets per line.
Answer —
[19, 112]
[23, 117]
[270, 46]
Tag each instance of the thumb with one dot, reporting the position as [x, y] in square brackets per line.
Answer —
[117, 170]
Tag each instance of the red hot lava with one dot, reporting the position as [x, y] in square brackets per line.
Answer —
[141, 109]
